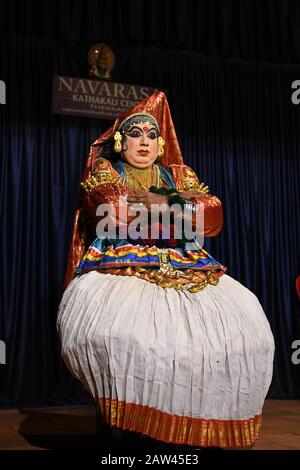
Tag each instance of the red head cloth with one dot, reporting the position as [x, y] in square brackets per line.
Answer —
[157, 105]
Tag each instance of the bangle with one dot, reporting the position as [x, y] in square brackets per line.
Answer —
[190, 207]
[175, 198]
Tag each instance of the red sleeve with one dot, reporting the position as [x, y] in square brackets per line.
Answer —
[213, 214]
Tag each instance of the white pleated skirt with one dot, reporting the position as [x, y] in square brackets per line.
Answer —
[181, 367]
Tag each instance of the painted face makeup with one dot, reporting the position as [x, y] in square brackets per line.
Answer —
[140, 146]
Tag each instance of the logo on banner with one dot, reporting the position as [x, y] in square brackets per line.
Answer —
[102, 60]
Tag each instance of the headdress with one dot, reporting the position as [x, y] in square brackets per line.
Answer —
[137, 118]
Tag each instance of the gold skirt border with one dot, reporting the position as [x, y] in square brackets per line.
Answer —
[180, 429]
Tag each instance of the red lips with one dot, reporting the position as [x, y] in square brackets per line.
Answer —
[143, 152]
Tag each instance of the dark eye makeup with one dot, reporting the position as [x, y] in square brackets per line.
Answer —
[135, 133]
[152, 134]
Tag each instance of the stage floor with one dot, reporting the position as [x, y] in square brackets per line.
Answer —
[67, 428]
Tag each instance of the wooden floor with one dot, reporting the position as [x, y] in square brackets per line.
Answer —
[67, 428]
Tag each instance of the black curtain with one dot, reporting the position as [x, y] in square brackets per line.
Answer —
[262, 30]
[237, 127]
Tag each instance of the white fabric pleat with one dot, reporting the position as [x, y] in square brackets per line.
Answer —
[204, 355]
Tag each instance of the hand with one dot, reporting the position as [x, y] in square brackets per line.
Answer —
[147, 199]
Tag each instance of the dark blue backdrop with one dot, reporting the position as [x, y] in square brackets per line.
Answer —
[229, 91]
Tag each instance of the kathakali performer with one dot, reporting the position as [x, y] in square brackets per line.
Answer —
[166, 343]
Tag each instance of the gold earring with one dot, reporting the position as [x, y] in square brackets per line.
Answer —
[117, 145]
[160, 147]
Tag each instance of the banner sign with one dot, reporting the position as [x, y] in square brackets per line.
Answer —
[95, 98]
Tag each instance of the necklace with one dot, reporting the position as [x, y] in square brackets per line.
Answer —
[144, 178]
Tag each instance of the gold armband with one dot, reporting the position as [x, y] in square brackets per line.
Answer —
[192, 185]
[100, 178]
